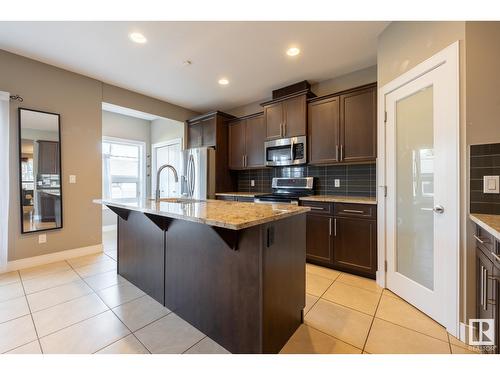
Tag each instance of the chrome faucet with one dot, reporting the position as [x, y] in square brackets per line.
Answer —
[157, 197]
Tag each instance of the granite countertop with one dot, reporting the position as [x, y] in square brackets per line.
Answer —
[490, 223]
[218, 213]
[339, 199]
[239, 194]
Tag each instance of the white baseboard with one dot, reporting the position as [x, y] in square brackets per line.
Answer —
[19, 264]
[109, 228]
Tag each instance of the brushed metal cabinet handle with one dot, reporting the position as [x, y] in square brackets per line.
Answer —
[341, 152]
[335, 227]
[478, 239]
[330, 226]
[353, 211]
[496, 256]
[316, 208]
[337, 152]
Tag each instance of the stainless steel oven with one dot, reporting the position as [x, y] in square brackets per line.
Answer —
[286, 151]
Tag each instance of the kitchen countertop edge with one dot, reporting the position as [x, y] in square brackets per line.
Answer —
[489, 222]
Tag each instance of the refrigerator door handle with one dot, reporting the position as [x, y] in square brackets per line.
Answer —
[191, 176]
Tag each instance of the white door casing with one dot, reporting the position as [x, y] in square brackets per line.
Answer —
[441, 73]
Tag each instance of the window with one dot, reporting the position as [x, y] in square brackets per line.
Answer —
[123, 167]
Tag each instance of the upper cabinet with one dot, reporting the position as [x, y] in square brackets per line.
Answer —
[207, 130]
[48, 157]
[343, 127]
[286, 118]
[246, 142]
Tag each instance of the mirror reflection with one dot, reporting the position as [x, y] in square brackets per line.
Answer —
[40, 170]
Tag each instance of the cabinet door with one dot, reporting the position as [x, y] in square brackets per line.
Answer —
[209, 132]
[355, 245]
[484, 286]
[194, 135]
[237, 144]
[255, 138]
[295, 119]
[319, 244]
[48, 157]
[323, 128]
[358, 125]
[273, 117]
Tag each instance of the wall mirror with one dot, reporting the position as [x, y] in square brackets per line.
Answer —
[40, 170]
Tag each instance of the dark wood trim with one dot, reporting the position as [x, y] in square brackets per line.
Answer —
[122, 212]
[338, 93]
[307, 93]
[210, 114]
[246, 117]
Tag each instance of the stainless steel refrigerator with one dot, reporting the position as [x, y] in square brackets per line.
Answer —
[198, 173]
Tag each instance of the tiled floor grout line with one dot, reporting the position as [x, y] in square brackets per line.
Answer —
[371, 324]
[31, 314]
[111, 309]
[196, 343]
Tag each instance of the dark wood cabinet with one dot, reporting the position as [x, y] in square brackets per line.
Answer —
[255, 138]
[286, 118]
[210, 130]
[194, 135]
[488, 281]
[246, 142]
[342, 236]
[358, 125]
[48, 157]
[319, 241]
[343, 127]
[323, 131]
[237, 144]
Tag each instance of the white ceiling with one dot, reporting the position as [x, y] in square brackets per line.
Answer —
[250, 54]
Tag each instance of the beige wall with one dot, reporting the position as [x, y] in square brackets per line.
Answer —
[401, 46]
[78, 99]
[163, 129]
[345, 82]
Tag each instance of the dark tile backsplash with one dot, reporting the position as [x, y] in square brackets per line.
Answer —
[355, 180]
[484, 161]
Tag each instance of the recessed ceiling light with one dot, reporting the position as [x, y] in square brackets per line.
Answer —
[293, 51]
[223, 81]
[137, 38]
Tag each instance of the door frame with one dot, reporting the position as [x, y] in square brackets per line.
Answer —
[154, 146]
[449, 55]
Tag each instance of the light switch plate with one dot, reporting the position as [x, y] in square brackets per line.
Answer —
[337, 182]
[491, 184]
[252, 182]
[72, 179]
[42, 238]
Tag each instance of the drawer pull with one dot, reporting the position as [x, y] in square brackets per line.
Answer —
[354, 211]
[495, 256]
[316, 208]
[479, 239]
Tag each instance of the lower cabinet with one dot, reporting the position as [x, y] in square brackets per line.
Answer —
[342, 236]
[488, 281]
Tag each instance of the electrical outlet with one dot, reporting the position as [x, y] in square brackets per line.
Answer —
[72, 179]
[491, 184]
[252, 182]
[42, 238]
[337, 182]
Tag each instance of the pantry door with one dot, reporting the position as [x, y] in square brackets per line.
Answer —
[422, 179]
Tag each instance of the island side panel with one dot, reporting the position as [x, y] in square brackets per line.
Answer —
[141, 254]
[213, 287]
[284, 281]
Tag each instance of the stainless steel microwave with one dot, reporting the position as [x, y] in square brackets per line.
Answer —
[285, 151]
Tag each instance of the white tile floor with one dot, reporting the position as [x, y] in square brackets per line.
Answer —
[82, 306]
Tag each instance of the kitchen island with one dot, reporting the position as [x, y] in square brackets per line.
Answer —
[235, 271]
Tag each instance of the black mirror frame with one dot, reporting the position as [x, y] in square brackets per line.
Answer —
[20, 170]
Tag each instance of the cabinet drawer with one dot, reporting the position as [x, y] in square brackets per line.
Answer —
[484, 239]
[355, 210]
[319, 208]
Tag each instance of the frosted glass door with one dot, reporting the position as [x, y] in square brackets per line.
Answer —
[415, 187]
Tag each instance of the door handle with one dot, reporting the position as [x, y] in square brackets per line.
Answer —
[438, 209]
